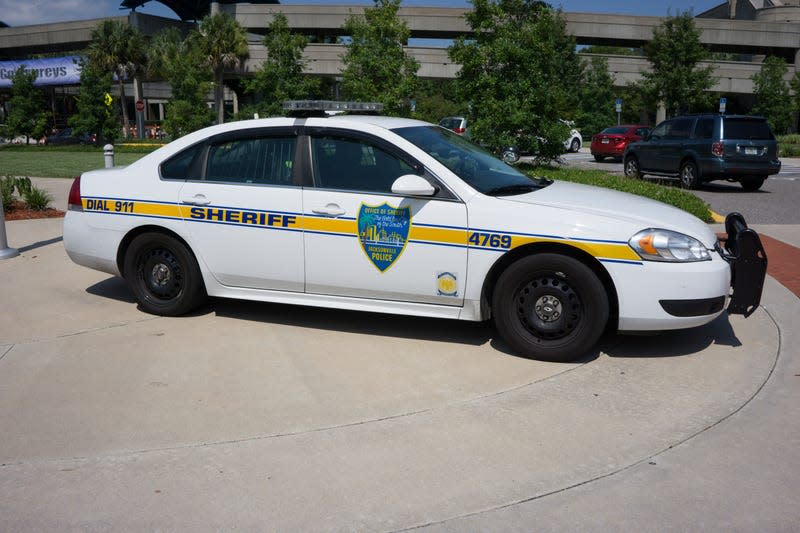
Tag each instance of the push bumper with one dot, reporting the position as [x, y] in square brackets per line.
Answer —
[745, 254]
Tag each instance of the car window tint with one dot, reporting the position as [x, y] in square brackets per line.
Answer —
[661, 129]
[704, 128]
[354, 165]
[747, 128]
[641, 132]
[680, 129]
[264, 161]
[180, 166]
[619, 130]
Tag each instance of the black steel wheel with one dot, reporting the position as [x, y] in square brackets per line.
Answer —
[690, 175]
[631, 167]
[163, 275]
[550, 307]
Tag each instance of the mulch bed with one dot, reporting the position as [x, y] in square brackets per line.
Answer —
[19, 211]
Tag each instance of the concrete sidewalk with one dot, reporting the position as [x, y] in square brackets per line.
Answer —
[257, 416]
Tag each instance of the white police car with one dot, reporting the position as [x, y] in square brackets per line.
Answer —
[400, 216]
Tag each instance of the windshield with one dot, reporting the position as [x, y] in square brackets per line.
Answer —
[480, 169]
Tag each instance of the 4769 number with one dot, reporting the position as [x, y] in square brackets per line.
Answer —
[491, 240]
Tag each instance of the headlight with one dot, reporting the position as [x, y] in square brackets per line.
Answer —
[665, 245]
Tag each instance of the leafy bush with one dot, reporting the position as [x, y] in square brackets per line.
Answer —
[789, 145]
[663, 193]
[7, 186]
[36, 198]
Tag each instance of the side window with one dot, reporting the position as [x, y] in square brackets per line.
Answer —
[183, 165]
[262, 161]
[704, 128]
[681, 128]
[641, 132]
[354, 165]
[661, 130]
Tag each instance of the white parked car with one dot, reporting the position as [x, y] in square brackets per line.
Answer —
[400, 216]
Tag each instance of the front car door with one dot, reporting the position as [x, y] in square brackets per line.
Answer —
[362, 240]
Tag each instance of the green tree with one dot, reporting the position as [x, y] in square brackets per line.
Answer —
[93, 115]
[120, 49]
[281, 76]
[771, 94]
[520, 74]
[223, 44]
[26, 116]
[376, 67]
[675, 77]
[596, 94]
[181, 63]
[435, 99]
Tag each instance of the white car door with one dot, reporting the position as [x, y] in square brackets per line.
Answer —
[244, 216]
[362, 240]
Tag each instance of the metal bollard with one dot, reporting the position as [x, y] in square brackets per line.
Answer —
[5, 251]
[108, 153]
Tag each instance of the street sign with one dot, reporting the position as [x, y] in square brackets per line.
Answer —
[618, 105]
[723, 102]
[107, 99]
[139, 105]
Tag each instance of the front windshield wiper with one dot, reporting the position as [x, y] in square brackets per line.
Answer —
[516, 188]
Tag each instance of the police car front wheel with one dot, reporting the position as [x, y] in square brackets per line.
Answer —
[550, 307]
[163, 275]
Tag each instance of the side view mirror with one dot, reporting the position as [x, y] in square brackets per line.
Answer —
[412, 185]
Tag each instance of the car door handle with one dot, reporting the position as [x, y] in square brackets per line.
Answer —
[330, 210]
[197, 199]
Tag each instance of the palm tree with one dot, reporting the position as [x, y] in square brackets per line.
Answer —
[119, 48]
[224, 45]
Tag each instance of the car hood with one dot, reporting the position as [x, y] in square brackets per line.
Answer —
[636, 210]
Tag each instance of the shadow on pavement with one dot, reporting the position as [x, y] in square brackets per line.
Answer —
[675, 343]
[655, 344]
[39, 244]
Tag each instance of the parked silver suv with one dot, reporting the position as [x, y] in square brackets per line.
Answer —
[701, 148]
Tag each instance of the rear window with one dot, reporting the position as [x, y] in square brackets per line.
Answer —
[450, 123]
[618, 130]
[747, 128]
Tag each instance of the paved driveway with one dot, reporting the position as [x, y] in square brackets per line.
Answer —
[258, 416]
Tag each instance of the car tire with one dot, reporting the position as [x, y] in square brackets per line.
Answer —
[752, 184]
[575, 145]
[163, 275]
[599, 158]
[550, 307]
[689, 175]
[631, 167]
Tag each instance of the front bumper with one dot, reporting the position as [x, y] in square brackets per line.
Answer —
[745, 254]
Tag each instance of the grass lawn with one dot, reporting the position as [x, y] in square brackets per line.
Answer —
[46, 162]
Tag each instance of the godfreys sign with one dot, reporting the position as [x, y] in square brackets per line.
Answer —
[49, 71]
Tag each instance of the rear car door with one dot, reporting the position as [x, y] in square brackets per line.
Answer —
[243, 215]
[362, 240]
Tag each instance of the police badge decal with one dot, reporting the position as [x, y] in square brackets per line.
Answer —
[383, 233]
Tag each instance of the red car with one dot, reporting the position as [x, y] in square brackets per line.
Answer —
[611, 142]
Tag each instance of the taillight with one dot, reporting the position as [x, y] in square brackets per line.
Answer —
[460, 130]
[718, 149]
[74, 202]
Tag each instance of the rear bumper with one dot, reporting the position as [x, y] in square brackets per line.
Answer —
[721, 168]
[748, 260]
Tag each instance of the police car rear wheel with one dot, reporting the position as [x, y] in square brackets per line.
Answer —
[550, 307]
[163, 275]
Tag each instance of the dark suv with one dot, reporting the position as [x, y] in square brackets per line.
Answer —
[702, 148]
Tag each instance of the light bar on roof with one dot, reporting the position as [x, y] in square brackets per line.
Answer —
[330, 105]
